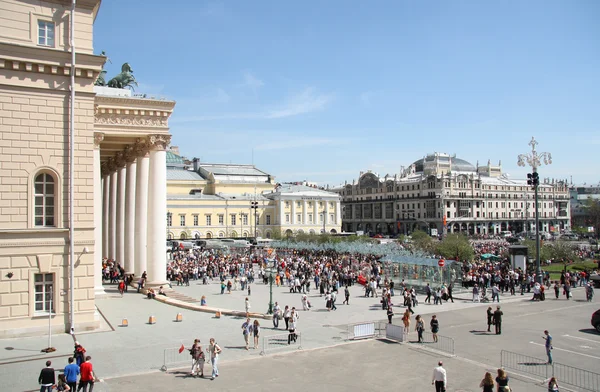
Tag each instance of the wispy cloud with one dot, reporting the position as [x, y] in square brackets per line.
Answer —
[222, 96]
[307, 101]
[252, 81]
[297, 143]
[366, 97]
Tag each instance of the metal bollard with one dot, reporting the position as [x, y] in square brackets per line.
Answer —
[124, 323]
[179, 317]
[151, 320]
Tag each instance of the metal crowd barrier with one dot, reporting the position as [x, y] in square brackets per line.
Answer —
[172, 358]
[444, 343]
[568, 375]
[280, 342]
[364, 330]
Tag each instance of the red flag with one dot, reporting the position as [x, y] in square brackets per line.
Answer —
[181, 348]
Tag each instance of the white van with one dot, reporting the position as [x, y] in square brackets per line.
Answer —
[505, 234]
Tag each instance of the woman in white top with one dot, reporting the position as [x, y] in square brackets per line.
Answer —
[214, 350]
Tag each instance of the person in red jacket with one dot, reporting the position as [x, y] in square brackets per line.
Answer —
[87, 376]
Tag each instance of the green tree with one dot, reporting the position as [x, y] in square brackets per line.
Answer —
[592, 214]
[545, 253]
[422, 240]
[561, 250]
[455, 247]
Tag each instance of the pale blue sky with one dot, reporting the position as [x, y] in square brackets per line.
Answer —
[321, 90]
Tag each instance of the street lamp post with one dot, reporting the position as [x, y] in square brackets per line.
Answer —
[534, 159]
[270, 271]
[254, 206]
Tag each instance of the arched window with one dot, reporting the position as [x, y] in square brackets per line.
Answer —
[182, 236]
[44, 200]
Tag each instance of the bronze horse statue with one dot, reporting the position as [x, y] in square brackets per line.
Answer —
[124, 79]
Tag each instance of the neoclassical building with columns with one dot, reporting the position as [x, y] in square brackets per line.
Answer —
[208, 200]
[83, 171]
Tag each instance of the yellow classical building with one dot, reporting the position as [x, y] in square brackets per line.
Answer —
[206, 200]
[82, 170]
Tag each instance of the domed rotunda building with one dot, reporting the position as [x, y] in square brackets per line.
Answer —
[441, 193]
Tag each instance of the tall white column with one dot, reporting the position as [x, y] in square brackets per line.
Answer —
[122, 177]
[304, 213]
[141, 212]
[130, 216]
[157, 210]
[105, 213]
[281, 213]
[326, 217]
[294, 211]
[316, 215]
[98, 289]
[112, 225]
[338, 213]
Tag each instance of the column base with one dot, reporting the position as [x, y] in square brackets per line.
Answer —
[156, 284]
[99, 292]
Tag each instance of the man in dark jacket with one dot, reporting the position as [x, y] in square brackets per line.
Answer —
[46, 378]
[498, 320]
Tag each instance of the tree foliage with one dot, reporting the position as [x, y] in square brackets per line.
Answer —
[455, 247]
[592, 209]
[422, 240]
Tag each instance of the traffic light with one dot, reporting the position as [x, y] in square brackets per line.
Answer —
[533, 179]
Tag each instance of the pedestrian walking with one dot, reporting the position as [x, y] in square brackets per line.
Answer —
[246, 331]
[406, 321]
[475, 293]
[62, 384]
[435, 327]
[247, 306]
[333, 299]
[347, 296]
[390, 314]
[487, 383]
[502, 381]
[214, 350]
[71, 373]
[439, 378]
[428, 291]
[420, 327]
[490, 318]
[495, 293]
[498, 320]
[286, 316]
[47, 378]
[548, 346]
[276, 315]
[256, 333]
[553, 385]
[87, 376]
[198, 359]
[450, 288]
[556, 290]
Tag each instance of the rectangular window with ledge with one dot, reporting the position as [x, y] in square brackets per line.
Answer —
[208, 220]
[221, 220]
[181, 220]
[46, 31]
[268, 219]
[44, 293]
[195, 220]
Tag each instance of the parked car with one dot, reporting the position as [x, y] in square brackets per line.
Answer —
[596, 320]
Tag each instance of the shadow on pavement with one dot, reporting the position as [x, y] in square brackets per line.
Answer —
[474, 332]
[591, 331]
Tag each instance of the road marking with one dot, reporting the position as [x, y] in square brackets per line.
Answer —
[587, 340]
[568, 351]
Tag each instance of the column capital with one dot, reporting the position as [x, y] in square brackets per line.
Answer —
[129, 154]
[98, 138]
[158, 142]
[119, 160]
[108, 167]
[141, 147]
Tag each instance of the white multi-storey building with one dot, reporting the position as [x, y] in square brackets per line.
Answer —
[449, 194]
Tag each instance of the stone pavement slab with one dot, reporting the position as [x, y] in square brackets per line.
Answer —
[365, 366]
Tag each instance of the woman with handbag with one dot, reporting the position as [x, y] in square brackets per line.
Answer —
[502, 381]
